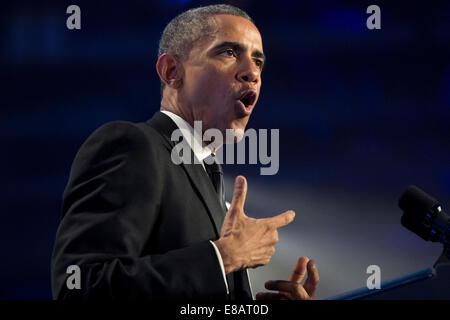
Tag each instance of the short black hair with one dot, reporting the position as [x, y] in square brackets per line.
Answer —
[182, 31]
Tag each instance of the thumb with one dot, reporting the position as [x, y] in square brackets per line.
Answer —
[239, 194]
[299, 270]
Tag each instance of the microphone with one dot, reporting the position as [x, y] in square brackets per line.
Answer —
[423, 215]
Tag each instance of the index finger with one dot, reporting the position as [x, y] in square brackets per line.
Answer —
[280, 220]
[312, 281]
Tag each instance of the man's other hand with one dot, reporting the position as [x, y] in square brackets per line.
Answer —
[247, 242]
[293, 289]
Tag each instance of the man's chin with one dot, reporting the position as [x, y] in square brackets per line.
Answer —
[234, 134]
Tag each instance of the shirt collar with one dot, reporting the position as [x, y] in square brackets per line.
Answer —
[194, 140]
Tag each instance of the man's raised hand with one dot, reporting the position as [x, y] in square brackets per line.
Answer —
[293, 288]
[247, 242]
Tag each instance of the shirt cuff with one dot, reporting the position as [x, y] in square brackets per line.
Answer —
[219, 257]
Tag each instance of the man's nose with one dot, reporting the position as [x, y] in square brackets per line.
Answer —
[248, 71]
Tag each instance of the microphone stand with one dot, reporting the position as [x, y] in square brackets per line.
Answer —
[445, 255]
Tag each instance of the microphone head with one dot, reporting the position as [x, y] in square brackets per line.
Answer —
[418, 208]
[416, 201]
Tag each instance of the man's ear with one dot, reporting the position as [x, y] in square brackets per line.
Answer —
[170, 70]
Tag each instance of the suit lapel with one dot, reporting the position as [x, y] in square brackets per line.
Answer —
[197, 174]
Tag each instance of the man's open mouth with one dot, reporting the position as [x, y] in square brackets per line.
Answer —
[248, 99]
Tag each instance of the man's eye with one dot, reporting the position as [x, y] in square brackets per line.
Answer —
[229, 52]
[258, 63]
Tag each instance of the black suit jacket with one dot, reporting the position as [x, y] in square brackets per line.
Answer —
[138, 225]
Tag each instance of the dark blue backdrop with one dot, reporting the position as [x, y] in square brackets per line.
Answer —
[362, 114]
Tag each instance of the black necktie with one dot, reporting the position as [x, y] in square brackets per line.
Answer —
[215, 173]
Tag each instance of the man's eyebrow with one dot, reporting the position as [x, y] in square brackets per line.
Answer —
[238, 47]
[259, 54]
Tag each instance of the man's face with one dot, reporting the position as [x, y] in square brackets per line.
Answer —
[222, 74]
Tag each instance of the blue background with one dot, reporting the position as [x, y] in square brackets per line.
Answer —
[362, 114]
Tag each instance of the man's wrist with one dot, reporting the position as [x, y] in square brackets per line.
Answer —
[221, 245]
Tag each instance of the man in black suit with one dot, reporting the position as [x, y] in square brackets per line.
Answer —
[137, 224]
